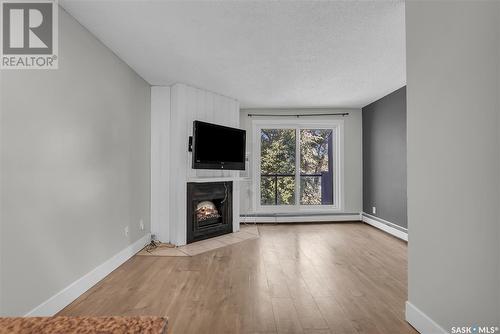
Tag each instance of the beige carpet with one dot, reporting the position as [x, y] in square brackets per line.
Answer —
[246, 232]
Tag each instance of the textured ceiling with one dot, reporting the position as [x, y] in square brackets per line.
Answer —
[263, 53]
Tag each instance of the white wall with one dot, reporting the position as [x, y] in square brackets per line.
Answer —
[75, 148]
[353, 167]
[453, 59]
[186, 105]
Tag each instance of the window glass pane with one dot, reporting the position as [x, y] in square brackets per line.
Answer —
[277, 166]
[316, 167]
[286, 190]
[267, 191]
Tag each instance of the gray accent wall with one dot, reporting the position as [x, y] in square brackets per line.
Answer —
[75, 167]
[384, 158]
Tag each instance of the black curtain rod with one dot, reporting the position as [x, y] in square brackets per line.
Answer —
[298, 115]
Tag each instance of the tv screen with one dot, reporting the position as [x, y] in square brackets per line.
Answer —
[218, 147]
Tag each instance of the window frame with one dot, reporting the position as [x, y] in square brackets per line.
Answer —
[337, 126]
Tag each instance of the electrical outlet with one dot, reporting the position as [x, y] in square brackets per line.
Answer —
[141, 225]
[126, 231]
[374, 210]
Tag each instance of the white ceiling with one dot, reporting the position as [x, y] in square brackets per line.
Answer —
[263, 53]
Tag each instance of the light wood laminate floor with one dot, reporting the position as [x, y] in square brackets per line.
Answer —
[307, 278]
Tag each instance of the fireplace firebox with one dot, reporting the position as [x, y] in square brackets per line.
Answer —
[209, 210]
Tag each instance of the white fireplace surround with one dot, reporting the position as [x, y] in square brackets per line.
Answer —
[173, 110]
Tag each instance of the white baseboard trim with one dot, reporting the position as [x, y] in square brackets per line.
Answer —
[421, 321]
[301, 219]
[67, 295]
[385, 226]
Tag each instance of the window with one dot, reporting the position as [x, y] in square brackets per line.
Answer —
[277, 166]
[298, 166]
[316, 166]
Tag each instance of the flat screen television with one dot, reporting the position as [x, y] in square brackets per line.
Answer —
[218, 147]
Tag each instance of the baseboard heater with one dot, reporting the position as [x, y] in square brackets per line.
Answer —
[298, 214]
[298, 217]
[384, 225]
[385, 222]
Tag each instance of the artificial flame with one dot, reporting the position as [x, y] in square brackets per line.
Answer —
[206, 210]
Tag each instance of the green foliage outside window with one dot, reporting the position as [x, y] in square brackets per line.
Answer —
[277, 158]
[314, 146]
